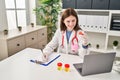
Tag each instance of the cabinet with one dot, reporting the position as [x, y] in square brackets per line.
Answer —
[97, 24]
[78, 4]
[15, 41]
[69, 4]
[100, 4]
[92, 4]
[84, 4]
[114, 4]
[15, 45]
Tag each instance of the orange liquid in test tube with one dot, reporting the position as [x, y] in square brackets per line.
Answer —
[67, 67]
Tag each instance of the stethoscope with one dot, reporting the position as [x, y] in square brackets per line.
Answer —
[73, 39]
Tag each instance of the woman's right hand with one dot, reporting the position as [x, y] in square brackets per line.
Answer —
[45, 57]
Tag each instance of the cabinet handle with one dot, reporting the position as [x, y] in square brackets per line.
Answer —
[104, 27]
[18, 44]
[42, 33]
[43, 45]
[32, 38]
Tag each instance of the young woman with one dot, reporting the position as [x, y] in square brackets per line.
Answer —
[69, 38]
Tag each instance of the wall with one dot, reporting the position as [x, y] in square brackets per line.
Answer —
[3, 19]
[32, 6]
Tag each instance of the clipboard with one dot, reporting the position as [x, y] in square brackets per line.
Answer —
[52, 58]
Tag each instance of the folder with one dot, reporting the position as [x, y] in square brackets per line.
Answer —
[99, 23]
[82, 21]
[105, 23]
[90, 23]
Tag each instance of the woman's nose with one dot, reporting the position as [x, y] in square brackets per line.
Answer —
[71, 23]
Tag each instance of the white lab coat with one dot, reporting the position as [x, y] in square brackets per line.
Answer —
[56, 42]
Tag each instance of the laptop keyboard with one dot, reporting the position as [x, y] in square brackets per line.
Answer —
[78, 66]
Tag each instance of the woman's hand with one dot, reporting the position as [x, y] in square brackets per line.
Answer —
[84, 38]
[45, 57]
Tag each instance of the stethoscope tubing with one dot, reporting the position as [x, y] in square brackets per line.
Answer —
[75, 37]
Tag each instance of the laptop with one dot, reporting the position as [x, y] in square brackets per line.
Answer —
[96, 63]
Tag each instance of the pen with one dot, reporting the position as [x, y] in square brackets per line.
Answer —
[44, 63]
[36, 61]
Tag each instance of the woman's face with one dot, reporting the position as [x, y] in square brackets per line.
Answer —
[70, 22]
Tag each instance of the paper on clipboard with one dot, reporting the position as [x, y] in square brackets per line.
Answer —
[51, 58]
[38, 56]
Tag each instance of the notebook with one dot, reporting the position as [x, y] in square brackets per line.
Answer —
[96, 63]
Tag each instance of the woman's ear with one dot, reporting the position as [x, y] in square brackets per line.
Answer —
[63, 21]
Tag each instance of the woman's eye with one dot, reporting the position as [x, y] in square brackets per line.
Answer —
[68, 21]
[73, 20]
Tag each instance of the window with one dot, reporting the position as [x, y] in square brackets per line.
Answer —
[16, 13]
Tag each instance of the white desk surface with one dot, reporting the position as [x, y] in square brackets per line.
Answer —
[18, 67]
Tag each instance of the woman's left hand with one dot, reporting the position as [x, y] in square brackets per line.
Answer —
[84, 38]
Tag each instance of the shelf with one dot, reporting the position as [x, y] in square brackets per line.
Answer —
[14, 32]
[92, 10]
[113, 33]
[98, 50]
[97, 25]
[96, 31]
[110, 49]
[117, 51]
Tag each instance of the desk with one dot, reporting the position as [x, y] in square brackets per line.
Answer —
[18, 67]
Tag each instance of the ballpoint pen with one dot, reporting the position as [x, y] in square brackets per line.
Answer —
[37, 62]
[43, 62]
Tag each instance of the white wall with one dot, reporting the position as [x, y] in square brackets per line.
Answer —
[32, 4]
[3, 18]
